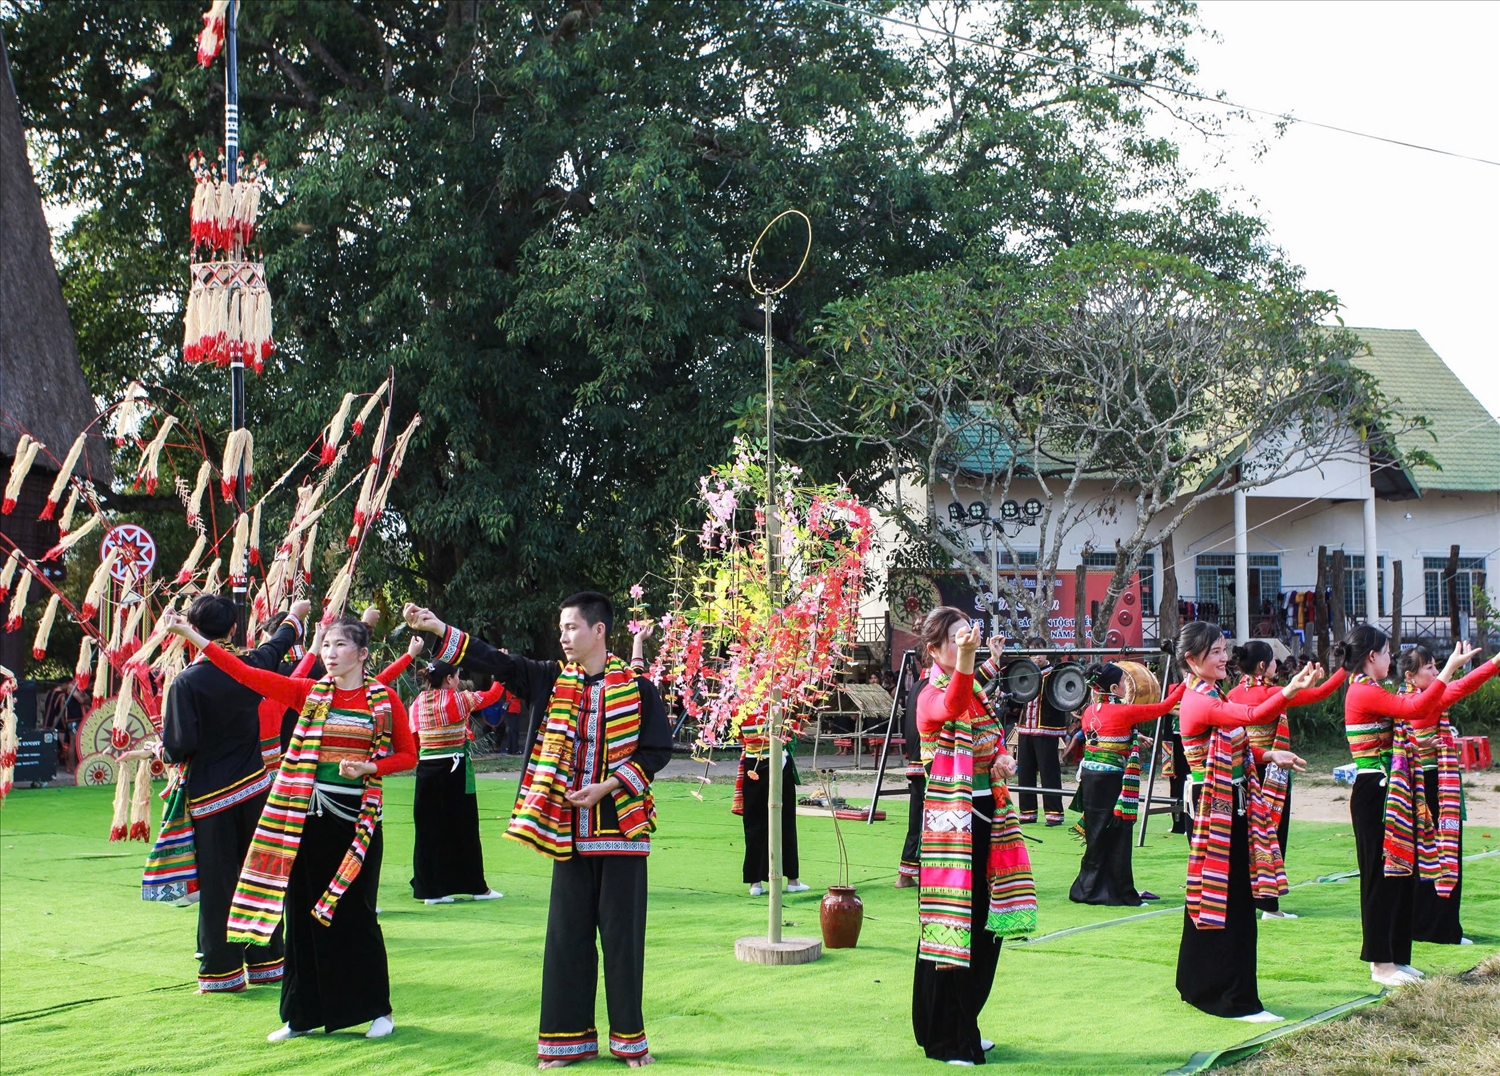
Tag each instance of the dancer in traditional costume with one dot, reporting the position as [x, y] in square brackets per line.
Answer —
[1257, 665]
[210, 725]
[585, 802]
[447, 858]
[1394, 837]
[976, 876]
[752, 799]
[1233, 857]
[1435, 904]
[314, 860]
[1039, 729]
[1109, 786]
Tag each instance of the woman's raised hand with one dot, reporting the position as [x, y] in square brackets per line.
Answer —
[422, 619]
[415, 646]
[966, 638]
[997, 646]
[178, 624]
[1462, 654]
[1288, 760]
[1306, 677]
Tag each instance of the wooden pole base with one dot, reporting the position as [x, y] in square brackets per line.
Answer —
[759, 950]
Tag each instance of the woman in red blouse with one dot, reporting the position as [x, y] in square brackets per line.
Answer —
[1257, 664]
[336, 974]
[947, 998]
[1435, 917]
[1216, 961]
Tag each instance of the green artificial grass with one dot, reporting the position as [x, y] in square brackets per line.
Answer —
[93, 980]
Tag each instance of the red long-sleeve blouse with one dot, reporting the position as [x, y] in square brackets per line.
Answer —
[1117, 719]
[271, 711]
[1201, 713]
[292, 691]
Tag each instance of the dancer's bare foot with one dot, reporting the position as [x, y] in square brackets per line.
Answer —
[558, 1063]
[637, 1062]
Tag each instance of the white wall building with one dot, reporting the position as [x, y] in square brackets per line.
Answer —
[1246, 550]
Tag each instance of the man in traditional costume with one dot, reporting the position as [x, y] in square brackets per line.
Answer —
[211, 726]
[585, 802]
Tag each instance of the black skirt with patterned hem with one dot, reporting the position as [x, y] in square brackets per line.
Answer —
[446, 858]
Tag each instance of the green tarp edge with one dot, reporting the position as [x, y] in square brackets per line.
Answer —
[1202, 1062]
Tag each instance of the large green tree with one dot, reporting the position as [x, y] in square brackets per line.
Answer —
[537, 212]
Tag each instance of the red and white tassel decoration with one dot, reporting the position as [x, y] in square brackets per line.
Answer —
[362, 506]
[101, 675]
[338, 592]
[238, 452]
[254, 549]
[130, 636]
[377, 446]
[119, 825]
[190, 565]
[393, 468]
[211, 37]
[95, 594]
[44, 628]
[8, 573]
[238, 569]
[119, 727]
[211, 581]
[308, 553]
[148, 471]
[140, 802]
[142, 657]
[60, 483]
[129, 414]
[195, 499]
[72, 538]
[334, 432]
[83, 669]
[18, 602]
[65, 521]
[370, 405]
[26, 449]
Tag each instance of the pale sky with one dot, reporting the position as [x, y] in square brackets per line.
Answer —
[1407, 239]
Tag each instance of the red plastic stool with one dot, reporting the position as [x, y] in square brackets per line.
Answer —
[1474, 753]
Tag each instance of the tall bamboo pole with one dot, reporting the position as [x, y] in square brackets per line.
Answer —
[241, 591]
[773, 719]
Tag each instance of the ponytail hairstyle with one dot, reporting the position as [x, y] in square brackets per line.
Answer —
[1104, 675]
[1355, 650]
[1195, 639]
[354, 629]
[1254, 657]
[936, 626]
[1413, 660]
[438, 672]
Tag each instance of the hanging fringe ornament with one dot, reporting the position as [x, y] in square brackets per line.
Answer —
[60, 483]
[26, 449]
[129, 414]
[377, 446]
[238, 452]
[172, 661]
[212, 582]
[393, 468]
[362, 506]
[72, 538]
[211, 38]
[150, 464]
[141, 659]
[117, 627]
[83, 669]
[95, 594]
[101, 676]
[44, 628]
[238, 569]
[338, 592]
[195, 499]
[307, 554]
[65, 521]
[9, 744]
[334, 432]
[190, 566]
[130, 635]
[140, 803]
[254, 549]
[370, 405]
[18, 601]
[8, 573]
[119, 825]
[119, 728]
[255, 614]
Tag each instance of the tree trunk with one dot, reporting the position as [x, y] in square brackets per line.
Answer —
[1080, 601]
[1167, 623]
[1095, 625]
[1397, 596]
[1338, 627]
[1320, 604]
[1451, 582]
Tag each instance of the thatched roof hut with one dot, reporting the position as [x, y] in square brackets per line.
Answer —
[42, 388]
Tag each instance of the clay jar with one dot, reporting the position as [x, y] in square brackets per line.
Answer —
[841, 915]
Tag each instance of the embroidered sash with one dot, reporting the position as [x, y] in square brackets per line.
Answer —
[543, 817]
[260, 898]
[172, 864]
[1450, 804]
[1410, 837]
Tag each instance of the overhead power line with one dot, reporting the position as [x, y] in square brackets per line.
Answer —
[1146, 84]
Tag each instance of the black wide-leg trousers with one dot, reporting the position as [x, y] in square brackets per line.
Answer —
[1434, 918]
[446, 858]
[1216, 968]
[757, 821]
[220, 841]
[603, 897]
[1036, 756]
[1385, 903]
[911, 850]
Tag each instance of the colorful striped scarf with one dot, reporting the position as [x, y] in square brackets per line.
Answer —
[1281, 738]
[1450, 803]
[172, 864]
[1213, 825]
[946, 897]
[260, 898]
[1127, 804]
[543, 817]
[1410, 836]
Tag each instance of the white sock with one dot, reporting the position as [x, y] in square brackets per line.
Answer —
[281, 1034]
[1262, 1017]
[380, 1027]
[438, 900]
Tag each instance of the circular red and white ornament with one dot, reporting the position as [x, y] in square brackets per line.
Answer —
[137, 552]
